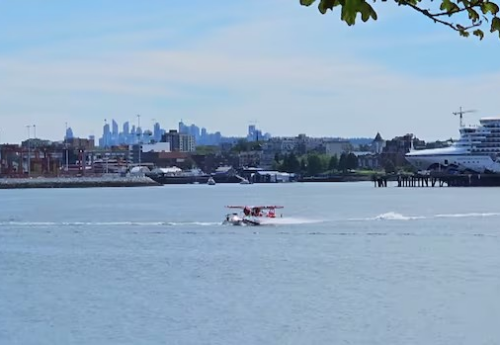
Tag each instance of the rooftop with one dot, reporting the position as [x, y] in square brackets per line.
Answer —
[378, 138]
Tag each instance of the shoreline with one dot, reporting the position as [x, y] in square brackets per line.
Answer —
[76, 182]
[136, 181]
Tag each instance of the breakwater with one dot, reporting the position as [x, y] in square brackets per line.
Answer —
[76, 182]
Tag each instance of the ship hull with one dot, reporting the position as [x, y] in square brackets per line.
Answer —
[226, 179]
[165, 179]
[201, 179]
[459, 163]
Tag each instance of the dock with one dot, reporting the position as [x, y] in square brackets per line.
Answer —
[439, 180]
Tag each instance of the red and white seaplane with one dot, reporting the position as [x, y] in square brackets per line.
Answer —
[252, 215]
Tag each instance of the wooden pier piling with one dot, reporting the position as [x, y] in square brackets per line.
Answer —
[439, 180]
[380, 181]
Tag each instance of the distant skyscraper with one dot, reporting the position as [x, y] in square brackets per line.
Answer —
[114, 128]
[252, 133]
[69, 134]
[203, 137]
[157, 132]
[106, 135]
[179, 141]
[195, 132]
[183, 128]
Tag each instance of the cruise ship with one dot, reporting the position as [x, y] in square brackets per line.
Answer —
[476, 151]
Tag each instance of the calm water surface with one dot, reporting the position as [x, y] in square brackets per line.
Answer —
[347, 264]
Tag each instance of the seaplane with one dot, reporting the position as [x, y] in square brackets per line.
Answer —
[251, 215]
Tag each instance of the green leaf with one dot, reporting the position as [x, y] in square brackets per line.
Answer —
[490, 7]
[464, 33]
[453, 9]
[449, 7]
[367, 11]
[495, 25]
[479, 33]
[445, 5]
[406, 2]
[473, 15]
[349, 11]
[325, 5]
[307, 2]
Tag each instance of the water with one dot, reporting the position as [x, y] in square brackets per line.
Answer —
[347, 264]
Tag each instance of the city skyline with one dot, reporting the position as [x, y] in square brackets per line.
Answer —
[284, 66]
[115, 133]
[33, 129]
[253, 132]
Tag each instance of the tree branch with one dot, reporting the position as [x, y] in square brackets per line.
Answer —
[456, 27]
[448, 13]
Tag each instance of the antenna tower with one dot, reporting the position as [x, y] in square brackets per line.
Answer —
[461, 113]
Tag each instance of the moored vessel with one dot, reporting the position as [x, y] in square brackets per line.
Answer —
[178, 176]
[476, 151]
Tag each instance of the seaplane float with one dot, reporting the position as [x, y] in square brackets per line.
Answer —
[251, 215]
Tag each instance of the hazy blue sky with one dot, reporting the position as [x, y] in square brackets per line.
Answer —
[222, 64]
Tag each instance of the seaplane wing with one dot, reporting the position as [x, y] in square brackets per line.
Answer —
[269, 207]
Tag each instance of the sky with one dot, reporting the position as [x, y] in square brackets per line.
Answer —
[226, 64]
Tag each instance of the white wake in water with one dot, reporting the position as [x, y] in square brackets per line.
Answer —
[402, 217]
[266, 221]
[388, 216]
[106, 224]
[289, 221]
[395, 216]
[468, 215]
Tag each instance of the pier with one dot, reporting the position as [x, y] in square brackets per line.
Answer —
[420, 181]
[439, 180]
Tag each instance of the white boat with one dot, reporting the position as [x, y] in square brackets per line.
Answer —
[211, 181]
[476, 151]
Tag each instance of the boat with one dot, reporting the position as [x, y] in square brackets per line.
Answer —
[225, 174]
[476, 151]
[177, 176]
[211, 181]
[219, 178]
[251, 215]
